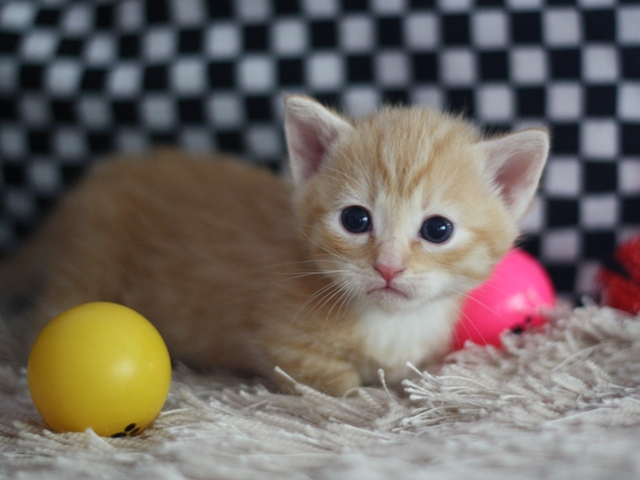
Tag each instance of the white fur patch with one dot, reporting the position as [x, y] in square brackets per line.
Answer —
[417, 335]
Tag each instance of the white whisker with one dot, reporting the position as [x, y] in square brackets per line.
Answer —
[328, 299]
[313, 297]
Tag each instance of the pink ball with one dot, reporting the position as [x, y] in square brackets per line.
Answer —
[513, 298]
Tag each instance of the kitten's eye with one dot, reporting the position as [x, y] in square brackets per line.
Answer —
[356, 219]
[436, 229]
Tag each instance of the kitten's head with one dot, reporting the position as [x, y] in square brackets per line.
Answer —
[408, 205]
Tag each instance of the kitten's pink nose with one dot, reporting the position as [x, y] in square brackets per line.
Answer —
[388, 272]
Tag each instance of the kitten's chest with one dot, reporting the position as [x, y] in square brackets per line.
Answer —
[418, 336]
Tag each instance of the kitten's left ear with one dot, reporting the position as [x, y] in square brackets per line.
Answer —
[515, 163]
[312, 131]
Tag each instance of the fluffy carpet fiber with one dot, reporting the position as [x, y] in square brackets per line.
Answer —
[560, 403]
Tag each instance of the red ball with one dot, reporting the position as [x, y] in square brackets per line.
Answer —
[514, 298]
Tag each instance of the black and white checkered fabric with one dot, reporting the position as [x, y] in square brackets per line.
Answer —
[79, 80]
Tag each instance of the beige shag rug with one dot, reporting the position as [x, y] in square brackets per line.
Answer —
[556, 404]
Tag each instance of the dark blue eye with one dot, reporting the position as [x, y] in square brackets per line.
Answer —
[436, 229]
[356, 219]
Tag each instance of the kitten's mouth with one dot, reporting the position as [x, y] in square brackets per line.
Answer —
[388, 293]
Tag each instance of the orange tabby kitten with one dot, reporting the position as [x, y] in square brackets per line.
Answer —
[359, 264]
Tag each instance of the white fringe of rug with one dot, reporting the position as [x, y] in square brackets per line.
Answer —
[560, 403]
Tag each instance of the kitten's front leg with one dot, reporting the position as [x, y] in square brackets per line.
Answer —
[329, 375]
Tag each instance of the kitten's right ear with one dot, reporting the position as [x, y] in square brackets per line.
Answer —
[311, 131]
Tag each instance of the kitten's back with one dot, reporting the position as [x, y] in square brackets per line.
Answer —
[177, 237]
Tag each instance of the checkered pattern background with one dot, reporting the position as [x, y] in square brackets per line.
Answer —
[79, 80]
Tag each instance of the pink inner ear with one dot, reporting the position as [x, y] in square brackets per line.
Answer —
[516, 162]
[311, 148]
[311, 131]
[515, 176]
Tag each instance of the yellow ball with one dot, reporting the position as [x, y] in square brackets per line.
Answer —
[102, 366]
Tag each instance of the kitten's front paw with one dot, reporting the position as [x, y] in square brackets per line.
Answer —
[332, 377]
